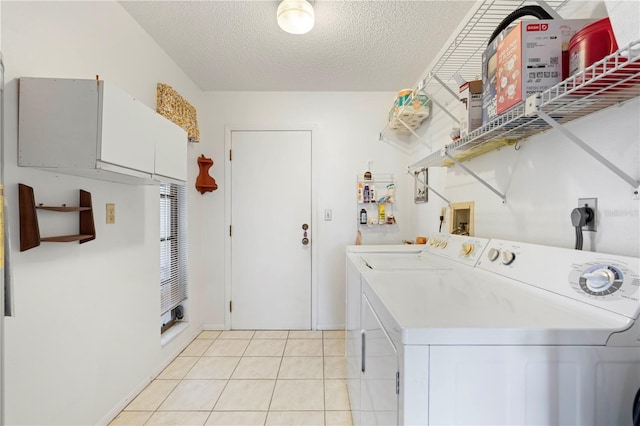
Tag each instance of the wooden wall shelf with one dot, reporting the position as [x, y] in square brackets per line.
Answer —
[204, 182]
[30, 230]
[63, 208]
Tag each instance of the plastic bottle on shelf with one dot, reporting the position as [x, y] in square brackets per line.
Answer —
[366, 194]
[372, 194]
[360, 192]
[382, 218]
[363, 217]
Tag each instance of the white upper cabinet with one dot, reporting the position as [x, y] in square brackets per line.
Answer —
[127, 133]
[91, 128]
[170, 157]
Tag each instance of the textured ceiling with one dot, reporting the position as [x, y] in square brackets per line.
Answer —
[355, 45]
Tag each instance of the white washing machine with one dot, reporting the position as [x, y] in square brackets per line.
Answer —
[372, 389]
[530, 335]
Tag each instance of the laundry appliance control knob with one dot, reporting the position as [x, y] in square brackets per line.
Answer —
[493, 254]
[599, 279]
[508, 257]
[467, 249]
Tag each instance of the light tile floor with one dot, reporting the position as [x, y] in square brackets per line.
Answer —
[249, 378]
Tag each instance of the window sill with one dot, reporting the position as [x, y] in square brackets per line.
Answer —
[173, 332]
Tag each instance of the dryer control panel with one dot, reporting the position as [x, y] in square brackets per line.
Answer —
[463, 249]
[608, 281]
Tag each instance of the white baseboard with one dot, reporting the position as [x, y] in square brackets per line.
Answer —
[107, 418]
[330, 326]
[213, 327]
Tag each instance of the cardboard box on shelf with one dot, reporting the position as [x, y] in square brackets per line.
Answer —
[528, 59]
[470, 94]
[489, 68]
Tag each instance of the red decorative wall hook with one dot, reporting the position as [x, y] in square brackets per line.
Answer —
[204, 182]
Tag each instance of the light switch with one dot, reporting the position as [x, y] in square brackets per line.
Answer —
[111, 213]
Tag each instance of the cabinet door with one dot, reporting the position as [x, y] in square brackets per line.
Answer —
[170, 149]
[126, 131]
[379, 400]
[58, 122]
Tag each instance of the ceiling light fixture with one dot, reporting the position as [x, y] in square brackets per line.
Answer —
[295, 16]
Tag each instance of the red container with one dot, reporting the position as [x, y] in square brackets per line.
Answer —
[590, 44]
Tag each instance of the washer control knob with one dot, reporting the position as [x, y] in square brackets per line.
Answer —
[443, 244]
[493, 254]
[467, 249]
[508, 257]
[600, 279]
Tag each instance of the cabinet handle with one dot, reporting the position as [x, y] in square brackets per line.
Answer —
[363, 333]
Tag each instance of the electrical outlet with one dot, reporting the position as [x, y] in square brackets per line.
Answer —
[592, 203]
[443, 213]
[111, 213]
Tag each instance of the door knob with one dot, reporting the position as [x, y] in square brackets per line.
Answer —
[305, 241]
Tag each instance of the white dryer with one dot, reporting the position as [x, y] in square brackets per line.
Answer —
[530, 335]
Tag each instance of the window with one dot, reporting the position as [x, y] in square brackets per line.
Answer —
[173, 253]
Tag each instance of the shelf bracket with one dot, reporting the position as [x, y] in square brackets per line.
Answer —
[442, 107]
[444, 86]
[408, 128]
[575, 139]
[429, 187]
[478, 178]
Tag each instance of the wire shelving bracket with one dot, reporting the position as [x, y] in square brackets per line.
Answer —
[575, 139]
[476, 177]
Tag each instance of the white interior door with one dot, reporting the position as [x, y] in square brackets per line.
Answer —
[270, 204]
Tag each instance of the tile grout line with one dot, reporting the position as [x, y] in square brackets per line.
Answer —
[226, 383]
[243, 356]
[324, 388]
[179, 381]
[275, 383]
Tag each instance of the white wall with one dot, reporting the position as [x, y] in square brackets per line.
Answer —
[86, 331]
[544, 179]
[85, 335]
[348, 125]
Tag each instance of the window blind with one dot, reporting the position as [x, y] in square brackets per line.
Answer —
[173, 246]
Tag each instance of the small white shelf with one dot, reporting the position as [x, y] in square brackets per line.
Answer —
[380, 181]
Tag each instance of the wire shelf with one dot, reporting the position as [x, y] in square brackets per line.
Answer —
[610, 81]
[461, 56]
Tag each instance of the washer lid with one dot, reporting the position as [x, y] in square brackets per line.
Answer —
[472, 307]
[403, 261]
